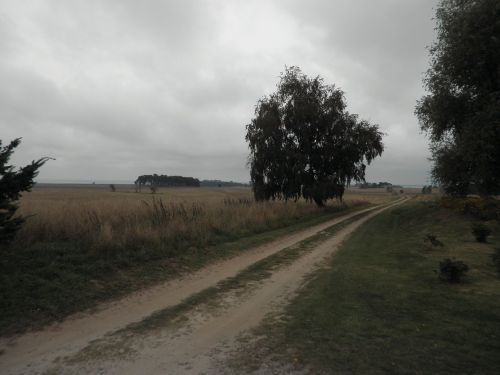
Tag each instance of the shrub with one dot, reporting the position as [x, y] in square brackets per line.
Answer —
[481, 232]
[496, 259]
[112, 187]
[12, 184]
[427, 190]
[479, 208]
[452, 271]
[433, 240]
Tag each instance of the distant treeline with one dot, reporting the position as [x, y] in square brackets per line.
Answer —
[380, 185]
[219, 183]
[374, 185]
[156, 180]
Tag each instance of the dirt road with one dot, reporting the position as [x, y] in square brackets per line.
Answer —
[115, 339]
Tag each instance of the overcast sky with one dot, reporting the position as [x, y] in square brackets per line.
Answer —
[114, 89]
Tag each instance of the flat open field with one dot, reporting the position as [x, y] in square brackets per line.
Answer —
[113, 221]
[179, 326]
[88, 193]
[84, 243]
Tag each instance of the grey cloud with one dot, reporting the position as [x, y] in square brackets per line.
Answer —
[118, 88]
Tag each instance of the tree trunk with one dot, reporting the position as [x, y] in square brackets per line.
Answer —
[320, 202]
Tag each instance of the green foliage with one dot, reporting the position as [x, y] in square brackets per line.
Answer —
[461, 114]
[452, 271]
[427, 189]
[219, 183]
[433, 240]
[12, 184]
[450, 169]
[481, 232]
[164, 180]
[479, 208]
[496, 259]
[375, 185]
[303, 142]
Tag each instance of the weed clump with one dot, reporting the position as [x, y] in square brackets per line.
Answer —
[433, 240]
[481, 232]
[452, 271]
[496, 259]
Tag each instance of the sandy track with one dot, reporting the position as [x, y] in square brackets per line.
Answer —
[189, 349]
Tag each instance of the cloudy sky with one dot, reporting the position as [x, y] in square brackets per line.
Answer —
[117, 88]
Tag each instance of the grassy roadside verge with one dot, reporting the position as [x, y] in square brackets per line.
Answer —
[379, 308]
[47, 282]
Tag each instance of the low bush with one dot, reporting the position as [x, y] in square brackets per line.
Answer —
[452, 271]
[496, 259]
[481, 232]
[433, 240]
[479, 208]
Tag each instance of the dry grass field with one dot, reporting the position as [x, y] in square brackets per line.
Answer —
[82, 244]
[125, 219]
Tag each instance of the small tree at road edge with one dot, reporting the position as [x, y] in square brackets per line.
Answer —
[12, 183]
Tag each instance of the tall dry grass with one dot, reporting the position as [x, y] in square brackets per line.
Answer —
[171, 221]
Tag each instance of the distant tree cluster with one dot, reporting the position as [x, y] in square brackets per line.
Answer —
[374, 185]
[427, 189]
[461, 113]
[219, 183]
[155, 181]
[304, 143]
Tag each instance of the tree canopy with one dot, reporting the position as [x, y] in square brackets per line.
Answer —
[12, 183]
[461, 113]
[164, 180]
[303, 142]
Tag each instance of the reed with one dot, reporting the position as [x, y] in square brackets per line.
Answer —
[153, 223]
[172, 220]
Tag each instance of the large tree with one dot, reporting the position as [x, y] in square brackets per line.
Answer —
[461, 113]
[12, 184]
[303, 142]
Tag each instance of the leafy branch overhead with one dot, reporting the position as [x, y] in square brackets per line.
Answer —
[304, 143]
[12, 184]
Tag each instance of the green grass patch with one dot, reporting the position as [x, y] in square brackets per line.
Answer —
[45, 282]
[380, 307]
